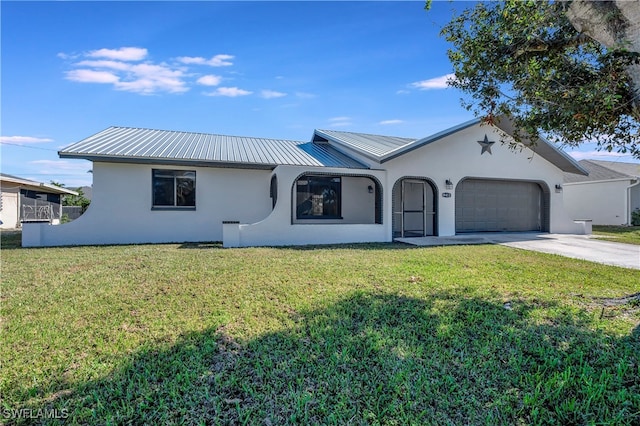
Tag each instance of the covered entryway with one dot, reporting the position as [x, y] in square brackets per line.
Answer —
[487, 205]
[414, 208]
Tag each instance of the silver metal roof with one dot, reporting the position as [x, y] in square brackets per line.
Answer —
[125, 144]
[370, 145]
[385, 148]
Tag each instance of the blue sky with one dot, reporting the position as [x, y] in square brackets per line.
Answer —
[265, 69]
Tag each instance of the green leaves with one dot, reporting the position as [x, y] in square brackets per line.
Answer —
[526, 60]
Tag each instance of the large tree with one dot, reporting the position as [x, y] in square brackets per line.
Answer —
[569, 71]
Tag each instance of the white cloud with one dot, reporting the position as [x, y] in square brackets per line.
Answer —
[597, 155]
[127, 69]
[63, 55]
[151, 78]
[231, 92]
[334, 119]
[122, 54]
[340, 121]
[215, 61]
[92, 76]
[144, 78]
[433, 83]
[386, 122]
[57, 166]
[23, 139]
[114, 65]
[303, 95]
[209, 80]
[270, 94]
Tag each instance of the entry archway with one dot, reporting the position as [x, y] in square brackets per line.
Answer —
[414, 207]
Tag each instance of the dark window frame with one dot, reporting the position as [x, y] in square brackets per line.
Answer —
[173, 199]
[313, 185]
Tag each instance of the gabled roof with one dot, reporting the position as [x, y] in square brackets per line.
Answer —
[603, 171]
[631, 169]
[371, 146]
[125, 144]
[34, 185]
[384, 148]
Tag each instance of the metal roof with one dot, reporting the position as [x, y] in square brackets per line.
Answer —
[604, 170]
[125, 144]
[36, 186]
[375, 146]
[384, 148]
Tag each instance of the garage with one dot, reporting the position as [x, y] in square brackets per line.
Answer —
[487, 205]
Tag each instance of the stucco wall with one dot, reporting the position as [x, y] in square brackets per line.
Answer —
[277, 228]
[120, 211]
[605, 203]
[458, 156]
[635, 197]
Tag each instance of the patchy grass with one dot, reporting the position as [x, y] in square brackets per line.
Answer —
[10, 239]
[619, 234]
[361, 334]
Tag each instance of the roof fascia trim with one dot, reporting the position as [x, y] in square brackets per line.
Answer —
[365, 154]
[429, 139]
[168, 161]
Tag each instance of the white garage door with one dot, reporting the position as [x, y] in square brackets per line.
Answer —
[499, 205]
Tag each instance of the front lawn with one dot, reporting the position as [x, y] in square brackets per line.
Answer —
[362, 334]
[619, 234]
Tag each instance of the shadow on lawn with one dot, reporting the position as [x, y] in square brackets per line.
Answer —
[379, 359]
[310, 247]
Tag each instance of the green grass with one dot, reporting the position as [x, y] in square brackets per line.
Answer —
[620, 234]
[361, 334]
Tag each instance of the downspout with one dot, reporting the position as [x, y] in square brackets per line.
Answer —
[637, 182]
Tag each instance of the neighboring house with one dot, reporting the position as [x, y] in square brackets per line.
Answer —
[24, 200]
[607, 195]
[339, 187]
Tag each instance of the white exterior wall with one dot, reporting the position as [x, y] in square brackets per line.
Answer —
[457, 156]
[634, 195]
[279, 229]
[9, 214]
[120, 211]
[604, 202]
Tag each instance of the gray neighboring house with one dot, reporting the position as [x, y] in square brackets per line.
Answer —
[607, 196]
[25, 200]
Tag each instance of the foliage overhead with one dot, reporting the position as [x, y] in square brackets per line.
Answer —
[526, 60]
[73, 200]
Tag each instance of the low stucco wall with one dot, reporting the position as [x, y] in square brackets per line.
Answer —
[279, 229]
[605, 203]
[121, 209]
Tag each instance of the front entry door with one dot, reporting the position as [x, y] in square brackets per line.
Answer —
[417, 208]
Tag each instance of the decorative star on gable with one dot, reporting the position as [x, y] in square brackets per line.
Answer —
[486, 145]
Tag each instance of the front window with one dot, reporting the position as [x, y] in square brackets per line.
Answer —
[174, 188]
[318, 197]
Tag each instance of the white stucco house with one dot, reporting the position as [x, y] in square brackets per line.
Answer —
[607, 196]
[28, 201]
[154, 186]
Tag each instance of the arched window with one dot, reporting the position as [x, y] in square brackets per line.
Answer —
[273, 191]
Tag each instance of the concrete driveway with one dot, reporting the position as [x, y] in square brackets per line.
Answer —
[576, 246]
